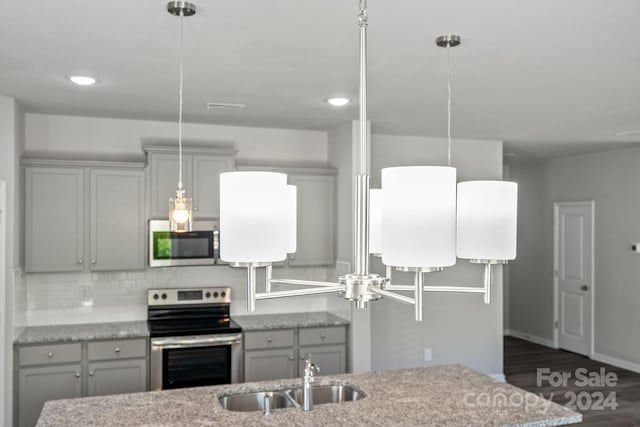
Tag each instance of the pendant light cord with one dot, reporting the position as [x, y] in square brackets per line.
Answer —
[449, 104]
[180, 187]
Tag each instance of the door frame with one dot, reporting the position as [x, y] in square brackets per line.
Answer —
[3, 306]
[591, 204]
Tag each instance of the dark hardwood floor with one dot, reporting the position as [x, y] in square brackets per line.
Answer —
[522, 360]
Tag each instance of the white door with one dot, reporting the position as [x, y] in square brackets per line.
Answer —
[3, 278]
[573, 284]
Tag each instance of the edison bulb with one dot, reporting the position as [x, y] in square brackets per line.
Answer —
[181, 215]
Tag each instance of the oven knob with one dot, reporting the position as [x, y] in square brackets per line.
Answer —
[223, 294]
[215, 294]
[164, 296]
[208, 295]
[155, 296]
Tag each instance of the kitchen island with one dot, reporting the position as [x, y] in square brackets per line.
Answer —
[434, 396]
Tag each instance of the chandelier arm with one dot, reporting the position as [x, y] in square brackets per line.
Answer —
[391, 295]
[418, 294]
[299, 292]
[487, 283]
[268, 278]
[298, 282]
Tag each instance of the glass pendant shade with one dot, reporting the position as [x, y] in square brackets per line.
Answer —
[180, 212]
[292, 214]
[375, 221]
[487, 220]
[253, 217]
[419, 216]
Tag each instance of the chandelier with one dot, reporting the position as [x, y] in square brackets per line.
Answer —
[420, 221]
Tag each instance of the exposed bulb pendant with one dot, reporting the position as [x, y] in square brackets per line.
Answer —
[180, 206]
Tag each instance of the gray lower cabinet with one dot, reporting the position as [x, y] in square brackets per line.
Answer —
[39, 385]
[84, 216]
[79, 369]
[263, 365]
[330, 358]
[280, 353]
[122, 376]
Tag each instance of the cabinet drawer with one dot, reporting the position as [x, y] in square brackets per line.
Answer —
[47, 354]
[117, 349]
[316, 336]
[268, 339]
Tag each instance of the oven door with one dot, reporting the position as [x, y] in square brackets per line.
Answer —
[169, 248]
[193, 361]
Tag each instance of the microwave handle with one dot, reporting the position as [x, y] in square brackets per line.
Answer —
[216, 244]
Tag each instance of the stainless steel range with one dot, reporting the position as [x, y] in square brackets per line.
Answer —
[194, 342]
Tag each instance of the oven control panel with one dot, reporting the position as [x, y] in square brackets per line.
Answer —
[188, 296]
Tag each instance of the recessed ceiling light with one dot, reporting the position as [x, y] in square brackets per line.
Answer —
[82, 80]
[338, 102]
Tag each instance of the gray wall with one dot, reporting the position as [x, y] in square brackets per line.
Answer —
[530, 306]
[457, 328]
[611, 179]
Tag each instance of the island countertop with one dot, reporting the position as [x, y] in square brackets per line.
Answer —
[434, 396]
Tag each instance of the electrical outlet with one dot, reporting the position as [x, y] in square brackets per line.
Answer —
[427, 355]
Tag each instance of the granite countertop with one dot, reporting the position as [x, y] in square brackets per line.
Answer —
[289, 320]
[80, 332]
[434, 396]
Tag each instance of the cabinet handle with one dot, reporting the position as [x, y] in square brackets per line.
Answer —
[301, 357]
[269, 339]
[50, 355]
[93, 261]
[322, 336]
[195, 209]
[77, 374]
[91, 373]
[291, 358]
[117, 350]
[79, 262]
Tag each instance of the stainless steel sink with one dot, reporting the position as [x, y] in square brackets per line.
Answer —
[247, 402]
[328, 394]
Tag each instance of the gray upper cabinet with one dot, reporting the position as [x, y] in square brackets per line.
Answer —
[117, 220]
[201, 169]
[163, 168]
[316, 198]
[316, 213]
[84, 216]
[54, 207]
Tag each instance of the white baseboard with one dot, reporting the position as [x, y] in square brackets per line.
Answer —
[528, 337]
[499, 377]
[635, 367]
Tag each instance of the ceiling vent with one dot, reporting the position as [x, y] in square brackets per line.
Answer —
[224, 106]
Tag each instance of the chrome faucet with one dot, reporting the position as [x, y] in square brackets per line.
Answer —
[309, 378]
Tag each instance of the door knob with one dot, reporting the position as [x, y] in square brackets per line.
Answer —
[584, 288]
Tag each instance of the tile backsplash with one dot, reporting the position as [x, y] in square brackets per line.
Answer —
[67, 298]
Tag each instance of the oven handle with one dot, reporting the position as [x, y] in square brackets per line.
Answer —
[177, 342]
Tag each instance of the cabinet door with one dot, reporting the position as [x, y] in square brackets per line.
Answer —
[264, 365]
[117, 220]
[54, 205]
[206, 184]
[164, 181]
[315, 220]
[39, 385]
[116, 377]
[331, 359]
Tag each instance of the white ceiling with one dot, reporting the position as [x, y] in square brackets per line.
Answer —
[548, 76]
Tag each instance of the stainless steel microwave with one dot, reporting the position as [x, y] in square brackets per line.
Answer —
[201, 246]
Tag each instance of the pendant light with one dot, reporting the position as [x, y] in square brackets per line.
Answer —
[411, 222]
[180, 206]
